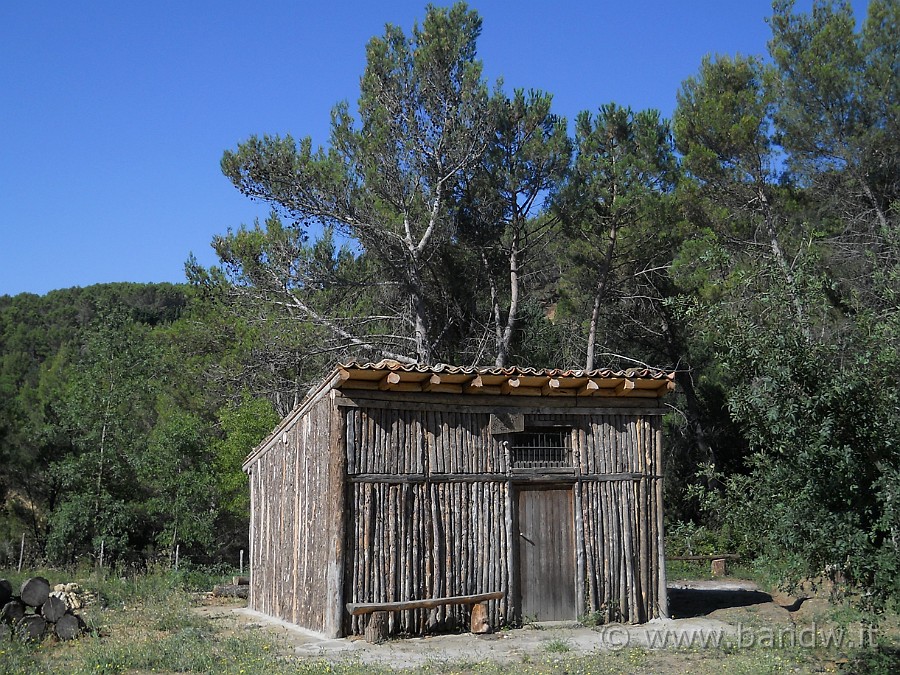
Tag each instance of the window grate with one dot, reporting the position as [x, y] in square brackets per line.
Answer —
[538, 449]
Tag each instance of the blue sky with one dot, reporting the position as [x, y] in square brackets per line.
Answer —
[115, 115]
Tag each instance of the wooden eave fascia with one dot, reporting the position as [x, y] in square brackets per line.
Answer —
[415, 381]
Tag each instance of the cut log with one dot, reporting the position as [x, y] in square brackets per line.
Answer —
[5, 591]
[377, 629]
[240, 581]
[231, 591]
[12, 611]
[480, 622]
[31, 627]
[68, 627]
[53, 609]
[35, 591]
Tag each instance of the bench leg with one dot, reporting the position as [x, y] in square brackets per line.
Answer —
[479, 623]
[377, 628]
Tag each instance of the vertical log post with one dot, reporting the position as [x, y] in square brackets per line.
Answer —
[718, 568]
[337, 514]
[663, 600]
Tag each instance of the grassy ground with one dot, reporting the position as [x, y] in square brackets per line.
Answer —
[147, 623]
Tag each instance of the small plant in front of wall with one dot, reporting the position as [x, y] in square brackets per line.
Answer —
[557, 646]
[600, 616]
[593, 619]
[531, 622]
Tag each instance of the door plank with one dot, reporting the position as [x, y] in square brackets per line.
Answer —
[547, 554]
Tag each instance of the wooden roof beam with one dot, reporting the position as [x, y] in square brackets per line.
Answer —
[510, 384]
[394, 382]
[626, 388]
[437, 384]
[589, 388]
[554, 388]
[388, 381]
[477, 386]
[513, 387]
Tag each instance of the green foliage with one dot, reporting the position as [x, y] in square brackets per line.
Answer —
[244, 427]
[110, 450]
[386, 180]
[615, 202]
[823, 471]
[18, 657]
[761, 262]
[782, 294]
[878, 661]
[557, 646]
[501, 216]
[689, 538]
[838, 99]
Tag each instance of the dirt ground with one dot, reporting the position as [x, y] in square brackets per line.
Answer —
[701, 611]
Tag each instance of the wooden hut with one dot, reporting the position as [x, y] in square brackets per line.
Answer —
[395, 482]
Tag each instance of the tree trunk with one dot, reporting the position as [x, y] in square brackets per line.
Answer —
[873, 200]
[695, 419]
[506, 337]
[600, 294]
[495, 309]
[423, 348]
[592, 331]
[778, 254]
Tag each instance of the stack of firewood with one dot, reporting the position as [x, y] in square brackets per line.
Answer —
[36, 612]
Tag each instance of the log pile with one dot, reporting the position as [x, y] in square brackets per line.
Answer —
[37, 612]
[240, 588]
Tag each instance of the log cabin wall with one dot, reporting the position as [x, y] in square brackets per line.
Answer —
[428, 512]
[619, 516]
[432, 507]
[291, 542]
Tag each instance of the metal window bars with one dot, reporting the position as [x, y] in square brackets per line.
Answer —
[540, 448]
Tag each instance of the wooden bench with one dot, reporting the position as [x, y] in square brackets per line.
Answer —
[718, 561]
[376, 629]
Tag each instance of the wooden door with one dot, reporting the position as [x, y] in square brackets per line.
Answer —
[546, 554]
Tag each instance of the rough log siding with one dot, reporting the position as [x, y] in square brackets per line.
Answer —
[413, 499]
[409, 541]
[622, 519]
[430, 512]
[290, 543]
[419, 442]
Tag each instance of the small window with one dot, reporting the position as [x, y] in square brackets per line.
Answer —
[540, 448]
